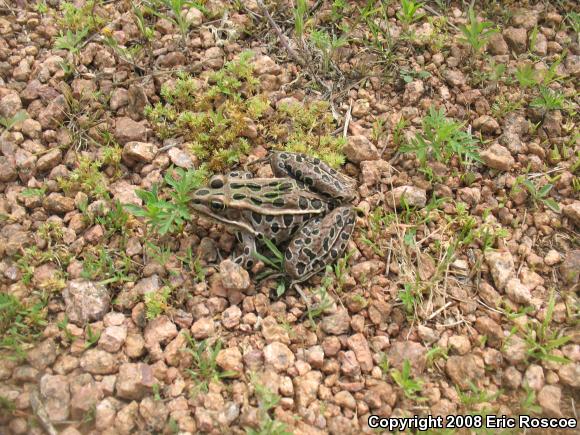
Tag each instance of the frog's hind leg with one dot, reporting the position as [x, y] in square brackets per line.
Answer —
[315, 173]
[318, 243]
[247, 246]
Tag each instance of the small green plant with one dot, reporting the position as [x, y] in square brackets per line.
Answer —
[169, 215]
[374, 16]
[87, 178]
[327, 46]
[384, 364]
[275, 260]
[92, 337]
[408, 13]
[538, 195]
[442, 139]
[156, 392]
[32, 192]
[7, 407]
[526, 76]
[87, 17]
[71, 41]
[408, 298]
[19, 324]
[8, 123]
[573, 20]
[147, 32]
[477, 33]
[323, 298]
[549, 100]
[41, 7]
[475, 395]
[398, 131]
[541, 340]
[435, 354]
[404, 380]
[300, 15]
[106, 265]
[503, 105]
[205, 369]
[409, 76]
[156, 302]
[528, 404]
[176, 14]
[267, 400]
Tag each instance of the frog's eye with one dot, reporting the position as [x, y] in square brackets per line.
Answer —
[217, 205]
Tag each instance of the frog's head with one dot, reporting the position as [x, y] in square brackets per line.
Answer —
[211, 202]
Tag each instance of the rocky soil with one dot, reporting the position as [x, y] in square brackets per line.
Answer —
[460, 290]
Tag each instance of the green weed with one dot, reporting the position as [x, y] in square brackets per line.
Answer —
[169, 213]
[503, 105]
[176, 12]
[526, 76]
[541, 340]
[475, 396]
[409, 12]
[20, 324]
[327, 45]
[549, 100]
[528, 404]
[477, 33]
[205, 369]
[300, 15]
[86, 18]
[538, 195]
[156, 302]
[408, 298]
[92, 337]
[87, 178]
[71, 41]
[442, 139]
[404, 380]
[267, 400]
[8, 123]
[100, 264]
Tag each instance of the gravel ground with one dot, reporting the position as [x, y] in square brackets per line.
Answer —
[459, 292]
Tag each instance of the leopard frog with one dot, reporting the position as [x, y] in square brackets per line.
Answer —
[306, 206]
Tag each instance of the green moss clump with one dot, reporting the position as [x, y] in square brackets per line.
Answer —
[222, 120]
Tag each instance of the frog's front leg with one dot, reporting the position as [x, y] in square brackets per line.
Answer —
[247, 245]
[318, 243]
[316, 174]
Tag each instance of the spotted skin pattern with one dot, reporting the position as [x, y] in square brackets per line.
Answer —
[303, 206]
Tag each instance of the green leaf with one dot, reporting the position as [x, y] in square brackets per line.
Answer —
[553, 205]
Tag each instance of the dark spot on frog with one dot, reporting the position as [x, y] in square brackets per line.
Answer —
[278, 202]
[288, 219]
[239, 196]
[316, 203]
[217, 183]
[257, 217]
[302, 203]
[202, 192]
[275, 227]
[300, 267]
